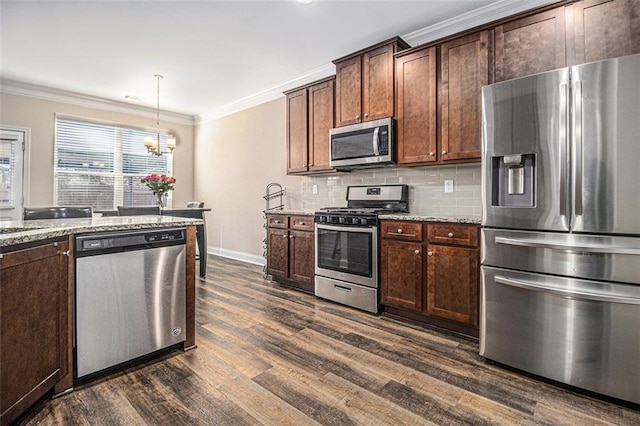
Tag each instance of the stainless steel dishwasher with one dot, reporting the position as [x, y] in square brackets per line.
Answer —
[129, 296]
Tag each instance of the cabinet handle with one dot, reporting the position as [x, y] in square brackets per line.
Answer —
[429, 253]
[301, 223]
[450, 234]
[444, 152]
[417, 251]
[399, 230]
[432, 154]
[357, 117]
[366, 115]
[276, 221]
[66, 253]
[290, 236]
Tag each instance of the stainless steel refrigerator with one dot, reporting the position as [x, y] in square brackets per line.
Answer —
[560, 286]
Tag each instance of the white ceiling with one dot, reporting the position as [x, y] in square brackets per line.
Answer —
[212, 53]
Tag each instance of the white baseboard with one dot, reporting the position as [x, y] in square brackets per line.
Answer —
[237, 255]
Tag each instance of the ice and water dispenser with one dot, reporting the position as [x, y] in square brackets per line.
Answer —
[513, 180]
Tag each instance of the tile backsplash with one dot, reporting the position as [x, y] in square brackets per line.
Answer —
[426, 189]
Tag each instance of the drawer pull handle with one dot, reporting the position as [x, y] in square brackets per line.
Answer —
[341, 288]
[444, 152]
[276, 221]
[450, 234]
[399, 230]
[302, 223]
[417, 252]
[429, 253]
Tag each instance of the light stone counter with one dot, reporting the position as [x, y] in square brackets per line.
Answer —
[18, 232]
[425, 218]
[292, 212]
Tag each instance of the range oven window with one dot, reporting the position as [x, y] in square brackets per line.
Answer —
[345, 251]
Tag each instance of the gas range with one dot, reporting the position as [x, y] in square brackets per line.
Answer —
[364, 204]
[346, 241]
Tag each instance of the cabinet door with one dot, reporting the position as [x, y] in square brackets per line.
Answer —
[349, 91]
[301, 257]
[530, 45]
[452, 284]
[401, 273]
[33, 332]
[416, 107]
[604, 29]
[297, 143]
[377, 83]
[464, 70]
[321, 119]
[278, 252]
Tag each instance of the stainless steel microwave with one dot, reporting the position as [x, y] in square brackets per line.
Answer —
[363, 145]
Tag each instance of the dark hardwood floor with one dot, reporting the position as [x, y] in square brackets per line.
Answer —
[271, 355]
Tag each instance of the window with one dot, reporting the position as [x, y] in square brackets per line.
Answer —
[100, 165]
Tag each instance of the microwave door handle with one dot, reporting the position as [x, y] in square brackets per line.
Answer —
[376, 150]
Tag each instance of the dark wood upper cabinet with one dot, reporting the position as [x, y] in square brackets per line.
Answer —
[297, 145]
[530, 45]
[377, 83]
[603, 29]
[310, 116]
[416, 107]
[464, 69]
[321, 119]
[365, 83]
[348, 91]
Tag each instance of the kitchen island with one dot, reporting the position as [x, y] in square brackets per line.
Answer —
[36, 301]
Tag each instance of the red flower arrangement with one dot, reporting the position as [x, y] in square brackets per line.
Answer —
[159, 184]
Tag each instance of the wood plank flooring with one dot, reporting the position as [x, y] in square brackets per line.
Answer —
[271, 355]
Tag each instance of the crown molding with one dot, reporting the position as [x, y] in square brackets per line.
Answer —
[14, 87]
[483, 15]
[267, 95]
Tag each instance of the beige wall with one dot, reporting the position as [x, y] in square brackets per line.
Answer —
[39, 116]
[236, 157]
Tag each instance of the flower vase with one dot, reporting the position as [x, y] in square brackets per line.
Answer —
[160, 199]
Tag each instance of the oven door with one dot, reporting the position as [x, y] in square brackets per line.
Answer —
[347, 253]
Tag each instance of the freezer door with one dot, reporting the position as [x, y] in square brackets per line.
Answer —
[596, 257]
[525, 158]
[583, 333]
[606, 145]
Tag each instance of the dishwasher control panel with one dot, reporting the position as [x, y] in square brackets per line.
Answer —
[129, 240]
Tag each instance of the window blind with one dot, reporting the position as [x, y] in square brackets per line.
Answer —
[7, 175]
[100, 165]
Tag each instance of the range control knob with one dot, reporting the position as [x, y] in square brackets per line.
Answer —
[342, 220]
[363, 221]
[354, 220]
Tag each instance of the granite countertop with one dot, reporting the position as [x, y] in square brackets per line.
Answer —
[292, 212]
[431, 218]
[17, 232]
[397, 216]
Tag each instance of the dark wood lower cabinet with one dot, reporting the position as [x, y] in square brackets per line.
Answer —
[401, 274]
[452, 284]
[290, 250]
[430, 273]
[34, 326]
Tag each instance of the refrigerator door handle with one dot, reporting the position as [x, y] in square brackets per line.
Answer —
[577, 138]
[564, 113]
[574, 294]
[590, 248]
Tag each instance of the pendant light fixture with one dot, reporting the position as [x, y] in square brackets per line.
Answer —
[153, 144]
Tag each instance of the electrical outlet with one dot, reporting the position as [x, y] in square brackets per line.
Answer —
[448, 186]
[314, 189]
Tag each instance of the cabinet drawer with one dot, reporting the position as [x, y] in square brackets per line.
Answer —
[459, 235]
[406, 231]
[277, 221]
[301, 223]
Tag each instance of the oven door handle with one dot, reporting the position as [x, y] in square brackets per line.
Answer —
[346, 228]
